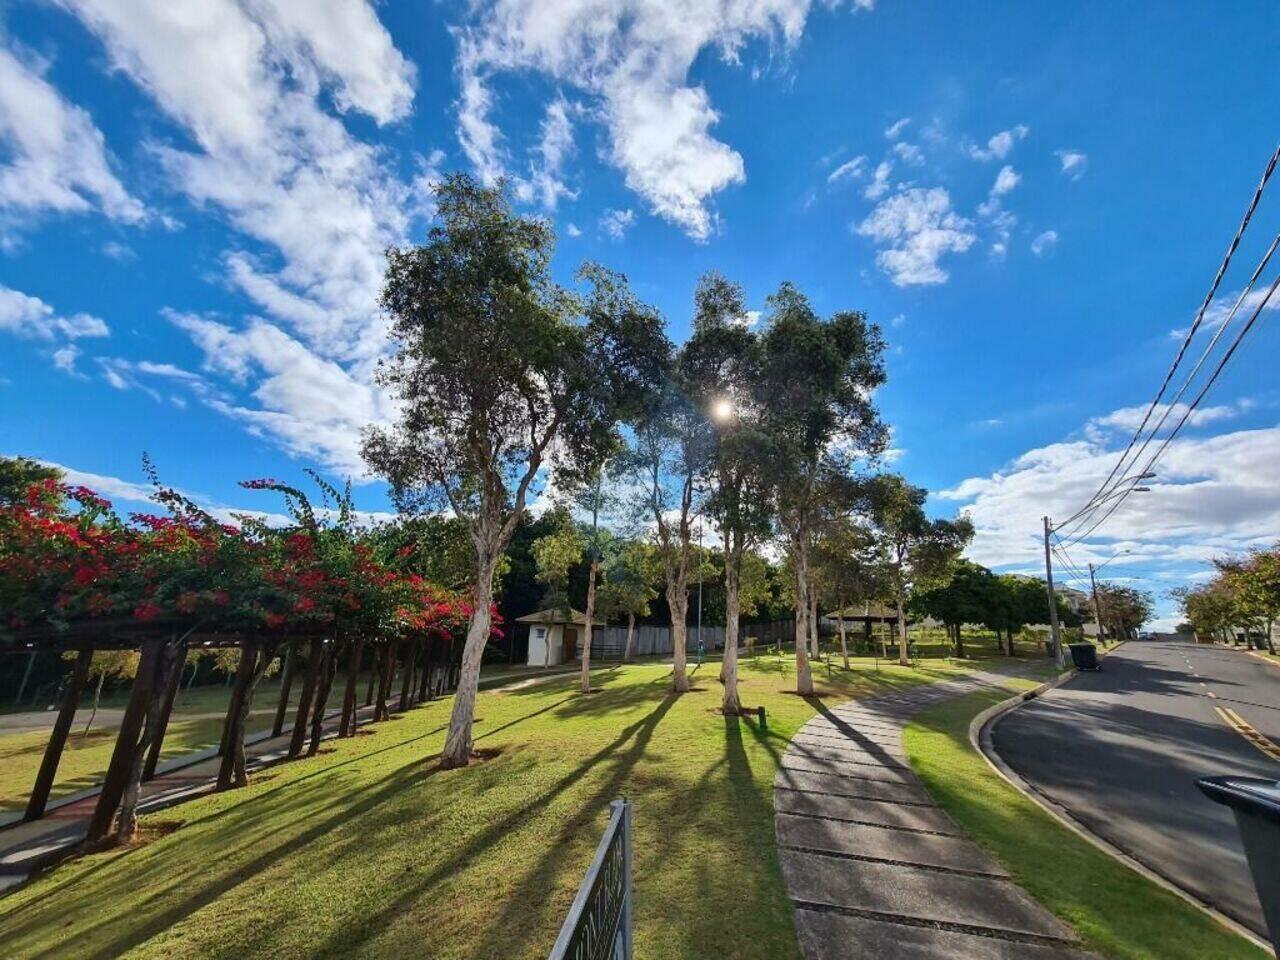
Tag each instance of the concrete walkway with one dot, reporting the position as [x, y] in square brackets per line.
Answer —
[874, 868]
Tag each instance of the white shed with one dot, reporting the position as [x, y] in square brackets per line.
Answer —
[556, 636]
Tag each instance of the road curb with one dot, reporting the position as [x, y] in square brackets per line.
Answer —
[980, 739]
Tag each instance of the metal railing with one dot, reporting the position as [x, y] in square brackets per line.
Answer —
[598, 926]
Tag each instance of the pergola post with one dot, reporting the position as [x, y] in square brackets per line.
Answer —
[424, 682]
[380, 711]
[406, 681]
[166, 709]
[347, 726]
[231, 770]
[328, 667]
[375, 672]
[58, 738]
[122, 757]
[314, 654]
[286, 686]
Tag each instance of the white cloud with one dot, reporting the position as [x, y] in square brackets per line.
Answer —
[1212, 495]
[894, 130]
[879, 184]
[573, 230]
[616, 223]
[545, 181]
[1000, 144]
[917, 227]
[909, 153]
[118, 251]
[850, 169]
[634, 59]
[898, 321]
[1130, 418]
[1223, 305]
[64, 359]
[31, 318]
[54, 158]
[1044, 243]
[1074, 163]
[250, 82]
[310, 406]
[1006, 180]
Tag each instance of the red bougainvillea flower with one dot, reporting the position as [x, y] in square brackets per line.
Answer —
[146, 612]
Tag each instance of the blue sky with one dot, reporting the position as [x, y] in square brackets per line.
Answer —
[1029, 197]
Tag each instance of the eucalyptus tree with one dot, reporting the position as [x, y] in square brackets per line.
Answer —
[627, 590]
[498, 373]
[721, 369]
[664, 458]
[849, 566]
[919, 550]
[816, 381]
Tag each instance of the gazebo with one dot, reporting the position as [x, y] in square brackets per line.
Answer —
[557, 636]
[865, 614]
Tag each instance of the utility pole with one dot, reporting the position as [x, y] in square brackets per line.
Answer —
[1097, 608]
[1055, 631]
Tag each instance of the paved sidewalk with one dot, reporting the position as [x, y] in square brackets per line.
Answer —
[875, 869]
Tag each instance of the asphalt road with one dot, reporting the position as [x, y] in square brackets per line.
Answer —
[1121, 750]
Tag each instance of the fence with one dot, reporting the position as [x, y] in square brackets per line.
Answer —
[609, 643]
[598, 926]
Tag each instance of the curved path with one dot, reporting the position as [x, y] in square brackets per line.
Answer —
[874, 868]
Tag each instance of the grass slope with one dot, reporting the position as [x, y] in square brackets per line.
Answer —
[368, 850]
[1121, 914]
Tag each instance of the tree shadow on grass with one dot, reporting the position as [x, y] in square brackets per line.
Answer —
[352, 937]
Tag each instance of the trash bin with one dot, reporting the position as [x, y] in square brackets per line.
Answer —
[1084, 656]
[1256, 804]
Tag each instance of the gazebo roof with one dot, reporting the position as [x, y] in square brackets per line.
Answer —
[551, 616]
[865, 611]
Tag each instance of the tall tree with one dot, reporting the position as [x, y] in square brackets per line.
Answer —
[967, 595]
[19, 474]
[627, 589]
[919, 549]
[1124, 609]
[848, 567]
[815, 385]
[498, 371]
[722, 363]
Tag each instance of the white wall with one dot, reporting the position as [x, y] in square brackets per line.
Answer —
[552, 638]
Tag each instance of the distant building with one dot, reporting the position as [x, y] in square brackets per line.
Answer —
[556, 636]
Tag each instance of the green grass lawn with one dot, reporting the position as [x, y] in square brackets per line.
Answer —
[1120, 914]
[369, 850]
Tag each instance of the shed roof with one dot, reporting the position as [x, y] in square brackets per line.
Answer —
[865, 611]
[550, 616]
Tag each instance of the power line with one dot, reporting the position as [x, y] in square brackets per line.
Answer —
[1195, 403]
[1191, 331]
[1096, 504]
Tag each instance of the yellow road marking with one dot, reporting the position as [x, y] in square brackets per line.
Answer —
[1241, 726]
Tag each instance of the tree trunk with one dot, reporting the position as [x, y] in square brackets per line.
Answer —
[844, 642]
[813, 623]
[347, 726]
[26, 675]
[424, 683]
[903, 659]
[166, 710]
[328, 667]
[286, 687]
[97, 696]
[122, 764]
[804, 672]
[678, 602]
[315, 657]
[589, 628]
[959, 642]
[1271, 647]
[457, 748]
[628, 649]
[231, 769]
[730, 704]
[58, 738]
